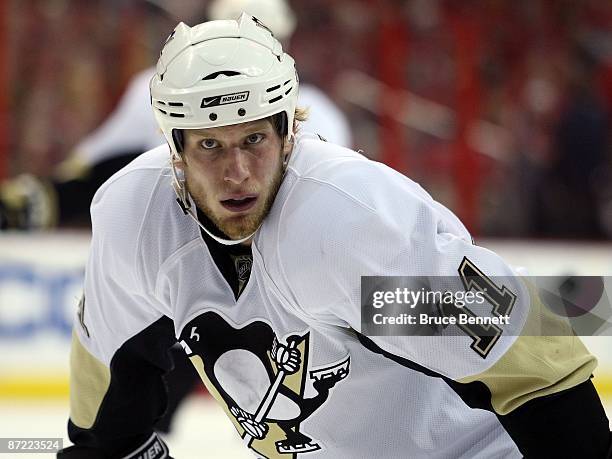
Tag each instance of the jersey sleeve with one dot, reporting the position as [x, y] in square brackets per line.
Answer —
[120, 340]
[375, 222]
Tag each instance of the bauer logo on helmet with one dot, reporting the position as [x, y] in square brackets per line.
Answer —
[225, 99]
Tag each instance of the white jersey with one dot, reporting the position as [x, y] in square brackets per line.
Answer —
[131, 127]
[337, 216]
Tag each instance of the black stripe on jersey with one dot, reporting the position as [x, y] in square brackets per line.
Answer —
[136, 397]
[475, 394]
[571, 423]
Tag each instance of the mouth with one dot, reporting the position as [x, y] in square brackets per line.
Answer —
[239, 203]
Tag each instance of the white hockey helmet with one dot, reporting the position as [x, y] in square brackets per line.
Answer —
[220, 73]
[276, 14]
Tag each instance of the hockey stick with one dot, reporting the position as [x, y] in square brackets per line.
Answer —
[266, 403]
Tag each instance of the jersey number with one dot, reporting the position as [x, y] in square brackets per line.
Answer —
[483, 337]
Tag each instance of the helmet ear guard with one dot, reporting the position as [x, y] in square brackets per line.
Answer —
[283, 128]
[178, 139]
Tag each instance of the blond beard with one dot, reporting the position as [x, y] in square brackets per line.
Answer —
[241, 226]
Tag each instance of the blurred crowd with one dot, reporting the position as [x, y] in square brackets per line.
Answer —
[500, 109]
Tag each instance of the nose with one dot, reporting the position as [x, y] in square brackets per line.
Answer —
[236, 167]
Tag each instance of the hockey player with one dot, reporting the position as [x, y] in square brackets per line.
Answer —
[246, 240]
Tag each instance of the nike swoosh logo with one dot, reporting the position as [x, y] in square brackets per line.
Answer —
[206, 103]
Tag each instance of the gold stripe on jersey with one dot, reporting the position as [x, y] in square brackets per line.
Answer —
[198, 363]
[547, 358]
[89, 382]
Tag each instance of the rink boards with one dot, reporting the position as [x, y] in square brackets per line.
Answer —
[41, 278]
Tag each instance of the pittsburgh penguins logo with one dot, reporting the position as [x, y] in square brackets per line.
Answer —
[260, 380]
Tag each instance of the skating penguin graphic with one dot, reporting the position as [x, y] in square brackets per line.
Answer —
[259, 380]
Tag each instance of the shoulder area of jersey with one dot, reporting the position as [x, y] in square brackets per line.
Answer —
[133, 185]
[314, 159]
[322, 174]
[312, 150]
[336, 183]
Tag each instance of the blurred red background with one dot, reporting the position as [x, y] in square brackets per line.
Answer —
[500, 109]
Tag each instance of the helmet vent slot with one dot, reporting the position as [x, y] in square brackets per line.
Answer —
[288, 90]
[228, 73]
[175, 104]
[163, 111]
[286, 82]
[177, 115]
[273, 88]
[277, 98]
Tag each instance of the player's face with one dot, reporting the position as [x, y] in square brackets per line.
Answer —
[233, 173]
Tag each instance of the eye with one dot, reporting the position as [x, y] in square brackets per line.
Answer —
[254, 139]
[209, 144]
